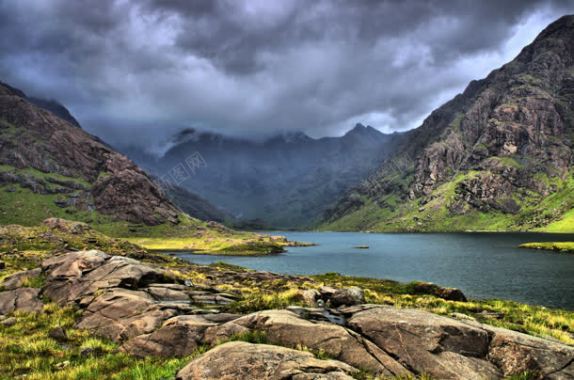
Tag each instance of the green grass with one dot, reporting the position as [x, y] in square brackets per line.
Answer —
[267, 300]
[44, 238]
[236, 245]
[26, 350]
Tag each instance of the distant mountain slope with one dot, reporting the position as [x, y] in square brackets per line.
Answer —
[51, 167]
[195, 205]
[285, 181]
[56, 108]
[497, 157]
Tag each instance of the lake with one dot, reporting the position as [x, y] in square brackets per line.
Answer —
[482, 265]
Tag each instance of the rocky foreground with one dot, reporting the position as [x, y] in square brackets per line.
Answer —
[332, 334]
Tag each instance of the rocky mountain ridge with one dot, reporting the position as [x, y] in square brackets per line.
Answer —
[497, 156]
[287, 180]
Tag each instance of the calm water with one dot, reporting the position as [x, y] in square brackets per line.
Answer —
[482, 265]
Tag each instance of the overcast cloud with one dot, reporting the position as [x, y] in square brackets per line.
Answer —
[138, 71]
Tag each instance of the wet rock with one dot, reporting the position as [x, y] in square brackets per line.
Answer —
[246, 361]
[286, 328]
[22, 299]
[319, 314]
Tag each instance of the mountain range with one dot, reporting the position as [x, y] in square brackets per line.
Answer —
[496, 157]
[287, 181]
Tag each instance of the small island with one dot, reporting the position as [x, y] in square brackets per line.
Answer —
[562, 247]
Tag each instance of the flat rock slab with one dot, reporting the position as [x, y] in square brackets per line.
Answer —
[246, 361]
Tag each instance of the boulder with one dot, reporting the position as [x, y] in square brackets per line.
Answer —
[285, 328]
[310, 297]
[347, 297]
[120, 314]
[515, 353]
[179, 336]
[22, 299]
[246, 361]
[449, 294]
[441, 347]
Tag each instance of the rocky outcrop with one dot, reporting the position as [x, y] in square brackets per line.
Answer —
[179, 336]
[285, 328]
[239, 360]
[149, 312]
[448, 349]
[502, 147]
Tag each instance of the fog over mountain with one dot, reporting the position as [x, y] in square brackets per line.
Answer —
[286, 181]
[138, 72]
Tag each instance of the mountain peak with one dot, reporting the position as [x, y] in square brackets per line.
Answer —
[362, 130]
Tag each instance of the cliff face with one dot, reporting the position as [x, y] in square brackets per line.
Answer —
[502, 149]
[42, 154]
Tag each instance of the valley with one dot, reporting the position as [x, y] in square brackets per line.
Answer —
[211, 207]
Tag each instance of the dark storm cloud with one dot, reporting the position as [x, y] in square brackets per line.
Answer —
[258, 66]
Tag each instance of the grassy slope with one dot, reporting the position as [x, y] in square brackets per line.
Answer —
[553, 213]
[19, 205]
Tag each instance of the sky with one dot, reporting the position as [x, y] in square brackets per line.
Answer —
[136, 72]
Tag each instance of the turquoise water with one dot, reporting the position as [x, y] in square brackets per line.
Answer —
[482, 265]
